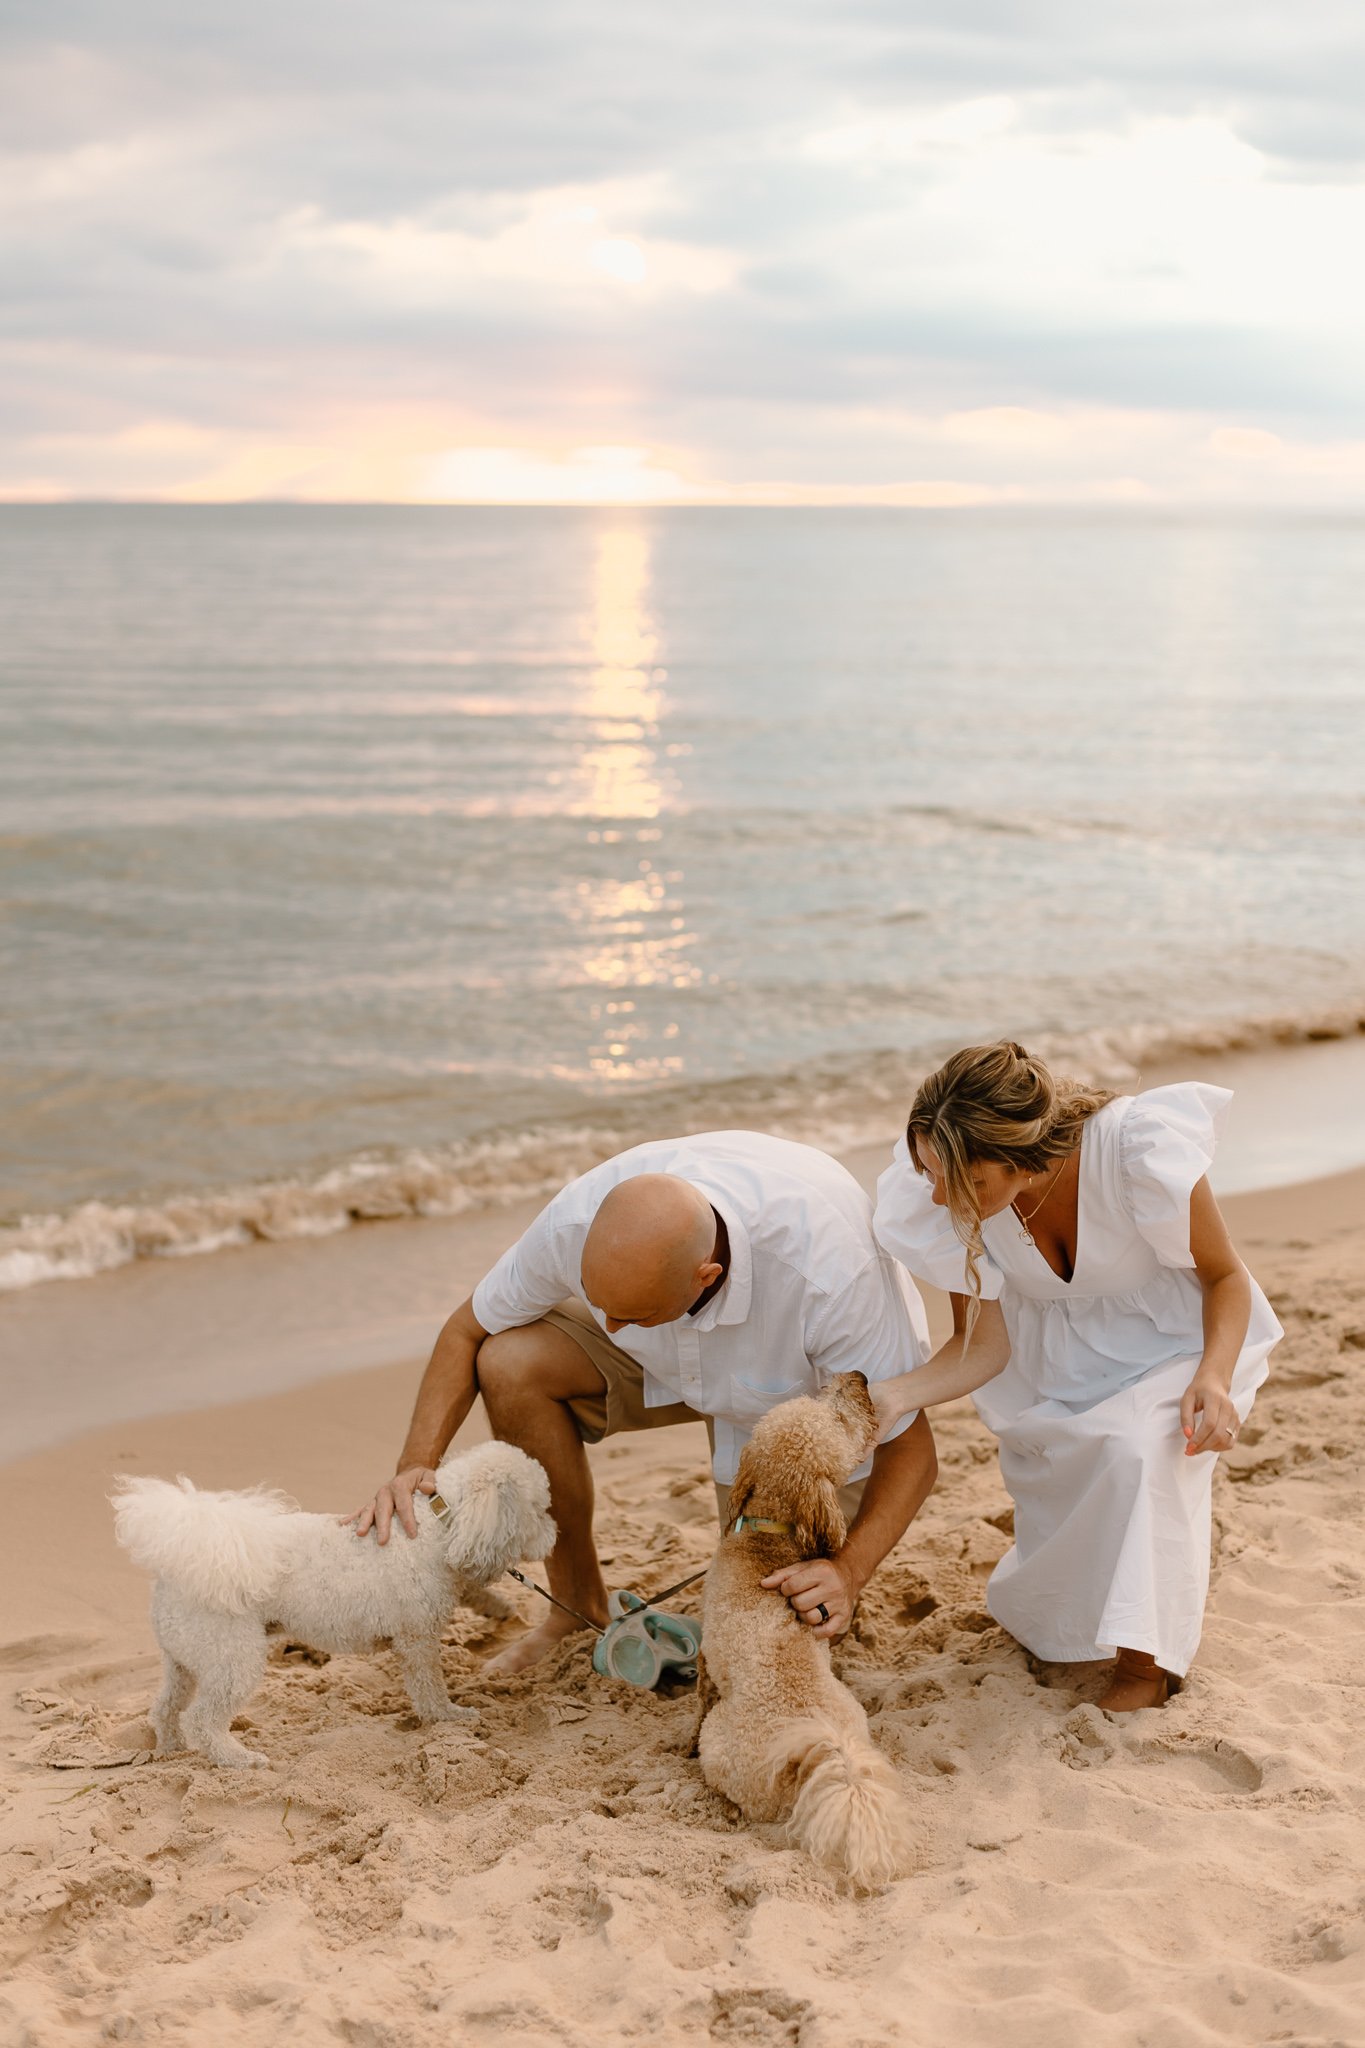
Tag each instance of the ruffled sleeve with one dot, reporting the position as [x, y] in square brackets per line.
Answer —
[1166, 1144]
[912, 1229]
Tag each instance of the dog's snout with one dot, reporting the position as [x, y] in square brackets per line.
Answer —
[848, 1394]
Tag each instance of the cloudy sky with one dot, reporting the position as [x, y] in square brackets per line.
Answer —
[919, 251]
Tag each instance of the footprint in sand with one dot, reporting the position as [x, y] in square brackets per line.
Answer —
[1186, 1765]
[1210, 1765]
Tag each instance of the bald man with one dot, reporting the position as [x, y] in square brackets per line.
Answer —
[704, 1278]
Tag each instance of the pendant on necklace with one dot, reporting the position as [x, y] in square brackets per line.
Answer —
[1024, 1230]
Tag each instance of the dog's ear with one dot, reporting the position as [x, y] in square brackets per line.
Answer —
[820, 1524]
[481, 1536]
[499, 1502]
[742, 1488]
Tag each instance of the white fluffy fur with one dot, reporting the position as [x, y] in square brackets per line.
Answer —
[227, 1565]
[226, 1550]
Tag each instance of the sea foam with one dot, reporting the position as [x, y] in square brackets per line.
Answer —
[830, 1103]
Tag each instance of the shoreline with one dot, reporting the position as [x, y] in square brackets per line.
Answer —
[170, 1338]
[1293, 1076]
[167, 1336]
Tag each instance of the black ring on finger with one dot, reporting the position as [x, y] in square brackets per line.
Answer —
[823, 1612]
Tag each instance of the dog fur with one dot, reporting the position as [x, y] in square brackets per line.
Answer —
[779, 1735]
[229, 1565]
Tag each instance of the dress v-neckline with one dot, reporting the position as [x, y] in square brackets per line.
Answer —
[1030, 1243]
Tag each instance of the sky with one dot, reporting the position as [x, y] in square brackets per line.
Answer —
[924, 252]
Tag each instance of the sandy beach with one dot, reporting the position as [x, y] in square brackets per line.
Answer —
[559, 1873]
[588, 578]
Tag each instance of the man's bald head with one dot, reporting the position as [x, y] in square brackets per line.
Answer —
[649, 1252]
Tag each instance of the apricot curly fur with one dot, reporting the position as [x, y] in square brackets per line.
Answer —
[779, 1735]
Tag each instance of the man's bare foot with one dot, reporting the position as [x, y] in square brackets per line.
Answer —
[529, 1649]
[1138, 1682]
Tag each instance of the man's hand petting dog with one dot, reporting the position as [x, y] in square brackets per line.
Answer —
[819, 1582]
[392, 1500]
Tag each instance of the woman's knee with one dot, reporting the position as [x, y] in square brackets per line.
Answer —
[1139, 1455]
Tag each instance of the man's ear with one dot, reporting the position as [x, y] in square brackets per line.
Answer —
[707, 1275]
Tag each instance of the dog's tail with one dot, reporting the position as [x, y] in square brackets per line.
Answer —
[226, 1550]
[849, 1810]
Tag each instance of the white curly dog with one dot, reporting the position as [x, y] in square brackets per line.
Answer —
[229, 1565]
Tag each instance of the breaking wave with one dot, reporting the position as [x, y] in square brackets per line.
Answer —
[837, 1104]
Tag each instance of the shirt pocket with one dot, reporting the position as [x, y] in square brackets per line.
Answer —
[749, 1398]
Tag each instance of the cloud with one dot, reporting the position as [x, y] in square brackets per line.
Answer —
[585, 476]
[321, 250]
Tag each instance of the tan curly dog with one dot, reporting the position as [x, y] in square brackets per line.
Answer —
[779, 1735]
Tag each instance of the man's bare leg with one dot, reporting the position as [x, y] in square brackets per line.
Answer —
[527, 1377]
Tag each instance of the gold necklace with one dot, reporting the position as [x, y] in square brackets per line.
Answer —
[1024, 1221]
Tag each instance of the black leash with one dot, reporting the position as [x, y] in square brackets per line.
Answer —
[522, 1580]
[666, 1594]
[669, 1591]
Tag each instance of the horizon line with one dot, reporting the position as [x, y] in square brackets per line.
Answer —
[1089, 506]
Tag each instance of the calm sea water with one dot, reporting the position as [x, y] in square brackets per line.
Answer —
[358, 860]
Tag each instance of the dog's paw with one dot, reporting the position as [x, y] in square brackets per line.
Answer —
[239, 1758]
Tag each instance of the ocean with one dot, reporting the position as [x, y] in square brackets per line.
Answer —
[367, 861]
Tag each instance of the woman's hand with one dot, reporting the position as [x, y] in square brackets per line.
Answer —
[1208, 1419]
[393, 1499]
[820, 1582]
[886, 1400]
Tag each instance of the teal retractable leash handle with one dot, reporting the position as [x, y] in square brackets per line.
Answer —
[638, 1644]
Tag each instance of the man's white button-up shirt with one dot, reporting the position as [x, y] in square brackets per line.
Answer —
[809, 1293]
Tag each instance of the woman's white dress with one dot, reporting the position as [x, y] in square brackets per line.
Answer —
[1112, 1521]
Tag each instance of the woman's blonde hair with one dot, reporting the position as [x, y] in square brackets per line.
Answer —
[994, 1102]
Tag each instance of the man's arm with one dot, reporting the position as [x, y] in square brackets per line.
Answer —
[444, 1398]
[530, 1277]
[901, 1480]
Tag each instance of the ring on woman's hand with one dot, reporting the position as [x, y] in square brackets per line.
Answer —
[823, 1612]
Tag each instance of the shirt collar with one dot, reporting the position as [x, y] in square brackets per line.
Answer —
[732, 1302]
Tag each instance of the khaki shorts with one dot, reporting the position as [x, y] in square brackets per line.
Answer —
[621, 1404]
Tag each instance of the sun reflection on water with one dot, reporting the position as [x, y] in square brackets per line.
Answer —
[619, 770]
[634, 928]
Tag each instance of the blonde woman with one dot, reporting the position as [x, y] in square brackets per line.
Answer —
[1114, 1342]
